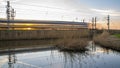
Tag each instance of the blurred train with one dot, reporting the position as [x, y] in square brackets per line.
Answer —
[41, 25]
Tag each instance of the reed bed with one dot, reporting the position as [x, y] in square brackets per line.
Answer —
[72, 44]
[108, 41]
[66, 39]
[40, 34]
[73, 41]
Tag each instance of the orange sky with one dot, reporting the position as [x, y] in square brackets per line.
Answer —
[115, 26]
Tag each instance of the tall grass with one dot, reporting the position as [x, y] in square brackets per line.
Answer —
[67, 39]
[73, 44]
[106, 40]
[40, 34]
[73, 41]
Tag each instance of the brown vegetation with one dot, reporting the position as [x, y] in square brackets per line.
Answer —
[106, 40]
[73, 41]
[73, 44]
[67, 39]
[40, 34]
[26, 44]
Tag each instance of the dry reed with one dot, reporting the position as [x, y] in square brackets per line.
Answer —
[106, 40]
[67, 39]
[73, 41]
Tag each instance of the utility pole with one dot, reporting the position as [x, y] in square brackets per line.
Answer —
[13, 12]
[108, 24]
[92, 23]
[76, 19]
[83, 20]
[10, 60]
[8, 14]
[95, 22]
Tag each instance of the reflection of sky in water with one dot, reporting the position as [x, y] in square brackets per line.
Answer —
[95, 58]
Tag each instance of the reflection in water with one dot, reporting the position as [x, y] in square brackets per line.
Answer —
[11, 59]
[70, 58]
[25, 44]
[95, 57]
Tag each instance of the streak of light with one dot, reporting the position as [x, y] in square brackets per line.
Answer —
[29, 28]
[28, 64]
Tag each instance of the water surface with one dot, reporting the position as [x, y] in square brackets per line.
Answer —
[95, 57]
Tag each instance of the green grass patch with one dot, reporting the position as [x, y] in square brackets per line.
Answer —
[117, 35]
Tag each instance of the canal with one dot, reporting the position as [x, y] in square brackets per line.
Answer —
[94, 57]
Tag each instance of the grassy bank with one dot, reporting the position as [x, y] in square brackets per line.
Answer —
[117, 35]
[108, 41]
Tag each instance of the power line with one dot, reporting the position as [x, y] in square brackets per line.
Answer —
[41, 6]
[38, 10]
[46, 11]
[66, 10]
[28, 9]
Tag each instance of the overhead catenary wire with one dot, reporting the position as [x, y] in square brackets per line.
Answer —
[35, 10]
[40, 6]
[47, 7]
[45, 10]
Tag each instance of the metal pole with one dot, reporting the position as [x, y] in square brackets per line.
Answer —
[10, 60]
[76, 19]
[95, 22]
[83, 20]
[13, 16]
[8, 14]
[92, 23]
[108, 19]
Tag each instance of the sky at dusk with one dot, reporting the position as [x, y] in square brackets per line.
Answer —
[67, 10]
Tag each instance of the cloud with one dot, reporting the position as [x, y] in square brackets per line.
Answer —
[14, 0]
[106, 12]
[4, 2]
